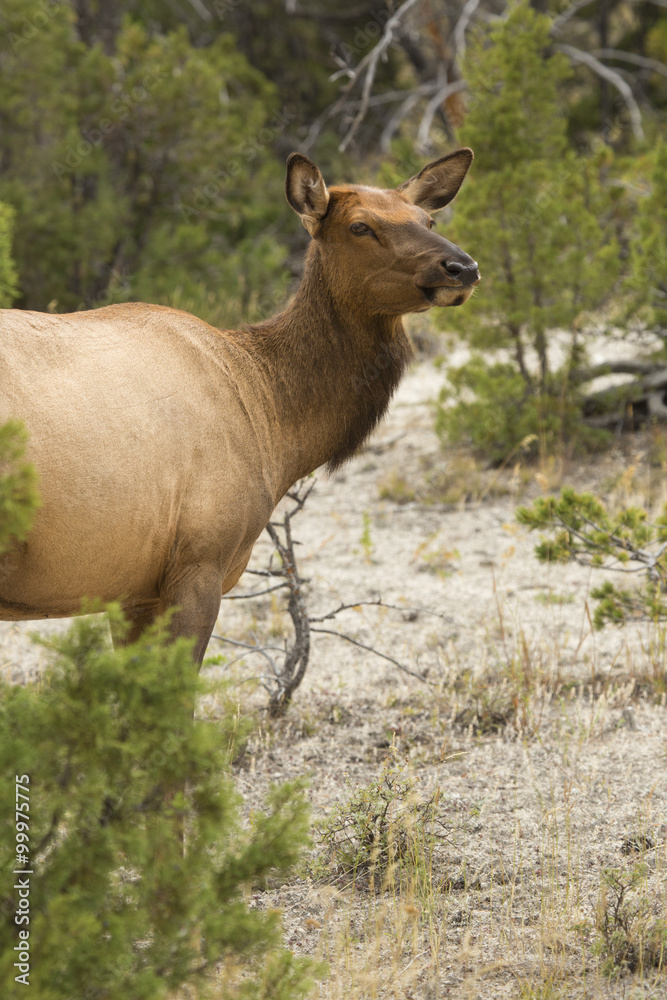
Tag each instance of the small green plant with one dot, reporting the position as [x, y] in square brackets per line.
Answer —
[629, 934]
[579, 527]
[396, 488]
[102, 750]
[549, 598]
[380, 825]
[366, 540]
[441, 562]
[547, 990]
[488, 709]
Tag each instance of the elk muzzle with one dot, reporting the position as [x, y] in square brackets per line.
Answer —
[452, 270]
[463, 272]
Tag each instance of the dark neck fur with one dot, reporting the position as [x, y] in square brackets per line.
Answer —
[332, 369]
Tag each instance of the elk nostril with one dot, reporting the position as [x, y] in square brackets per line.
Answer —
[454, 269]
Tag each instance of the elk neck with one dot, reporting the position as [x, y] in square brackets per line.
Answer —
[331, 364]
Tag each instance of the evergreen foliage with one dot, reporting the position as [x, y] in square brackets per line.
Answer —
[648, 270]
[19, 498]
[579, 527]
[499, 417]
[116, 910]
[534, 215]
[8, 285]
[140, 175]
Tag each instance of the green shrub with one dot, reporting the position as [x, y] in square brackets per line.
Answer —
[537, 217]
[116, 910]
[491, 408]
[578, 527]
[148, 172]
[8, 279]
[647, 281]
[379, 826]
[628, 934]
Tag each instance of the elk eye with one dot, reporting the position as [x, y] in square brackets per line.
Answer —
[360, 229]
[432, 223]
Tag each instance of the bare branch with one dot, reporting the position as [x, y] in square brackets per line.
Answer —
[299, 496]
[627, 367]
[254, 593]
[379, 603]
[296, 658]
[469, 9]
[567, 14]
[422, 141]
[614, 78]
[201, 10]
[371, 649]
[253, 646]
[403, 111]
[369, 64]
[345, 607]
[653, 64]
[287, 675]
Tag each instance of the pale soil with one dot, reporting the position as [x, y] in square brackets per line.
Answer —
[533, 812]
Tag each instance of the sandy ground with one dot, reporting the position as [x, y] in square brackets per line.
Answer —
[534, 810]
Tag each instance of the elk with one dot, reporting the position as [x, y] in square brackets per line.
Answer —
[163, 445]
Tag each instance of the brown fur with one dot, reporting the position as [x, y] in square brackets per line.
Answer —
[163, 445]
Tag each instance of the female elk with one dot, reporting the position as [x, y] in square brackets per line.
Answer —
[163, 445]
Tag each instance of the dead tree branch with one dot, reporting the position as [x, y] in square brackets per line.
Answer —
[365, 70]
[467, 13]
[629, 366]
[402, 112]
[431, 108]
[631, 57]
[614, 78]
[568, 13]
[371, 649]
[287, 664]
[369, 64]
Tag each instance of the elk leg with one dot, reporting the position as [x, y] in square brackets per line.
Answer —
[195, 593]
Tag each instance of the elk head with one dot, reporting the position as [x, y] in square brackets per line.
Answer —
[379, 253]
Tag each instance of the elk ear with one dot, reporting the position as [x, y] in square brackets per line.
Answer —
[306, 191]
[435, 186]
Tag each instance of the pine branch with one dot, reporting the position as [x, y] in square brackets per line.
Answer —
[580, 529]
